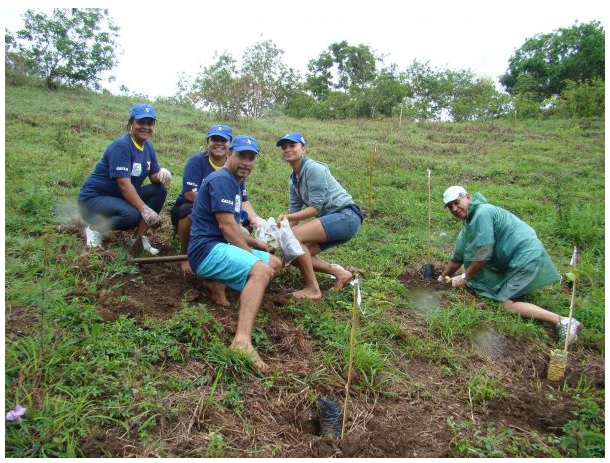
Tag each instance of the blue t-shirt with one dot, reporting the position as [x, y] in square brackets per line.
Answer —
[197, 168]
[220, 192]
[122, 158]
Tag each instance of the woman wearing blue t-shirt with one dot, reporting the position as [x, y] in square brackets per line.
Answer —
[113, 198]
[315, 194]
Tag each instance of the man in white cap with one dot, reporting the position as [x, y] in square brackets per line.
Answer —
[503, 258]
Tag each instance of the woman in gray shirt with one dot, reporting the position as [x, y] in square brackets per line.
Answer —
[335, 218]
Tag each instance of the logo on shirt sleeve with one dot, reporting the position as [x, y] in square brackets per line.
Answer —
[136, 169]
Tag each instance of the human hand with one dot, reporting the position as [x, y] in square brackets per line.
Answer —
[459, 280]
[257, 222]
[264, 246]
[164, 176]
[441, 279]
[150, 217]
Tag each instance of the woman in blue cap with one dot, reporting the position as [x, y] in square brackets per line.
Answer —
[114, 197]
[315, 194]
[503, 258]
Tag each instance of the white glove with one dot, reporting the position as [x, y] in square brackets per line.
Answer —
[150, 216]
[459, 280]
[441, 279]
[164, 176]
[257, 222]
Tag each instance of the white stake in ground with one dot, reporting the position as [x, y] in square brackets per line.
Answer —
[429, 267]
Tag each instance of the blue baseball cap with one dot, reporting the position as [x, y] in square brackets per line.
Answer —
[142, 110]
[295, 137]
[223, 131]
[244, 143]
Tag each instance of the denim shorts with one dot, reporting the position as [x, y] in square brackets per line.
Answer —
[230, 265]
[340, 227]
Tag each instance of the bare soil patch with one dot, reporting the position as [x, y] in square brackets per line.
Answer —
[283, 421]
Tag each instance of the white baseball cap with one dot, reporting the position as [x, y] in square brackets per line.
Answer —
[452, 193]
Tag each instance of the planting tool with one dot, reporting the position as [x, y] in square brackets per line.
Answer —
[559, 357]
[429, 268]
[156, 259]
[137, 247]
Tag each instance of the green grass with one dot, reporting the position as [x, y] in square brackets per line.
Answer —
[76, 373]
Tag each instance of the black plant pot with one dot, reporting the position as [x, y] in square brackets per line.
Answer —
[429, 271]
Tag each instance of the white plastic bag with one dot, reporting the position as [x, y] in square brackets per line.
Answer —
[267, 232]
[290, 246]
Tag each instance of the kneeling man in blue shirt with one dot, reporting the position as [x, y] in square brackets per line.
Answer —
[221, 252]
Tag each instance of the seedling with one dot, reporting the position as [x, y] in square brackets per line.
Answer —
[559, 357]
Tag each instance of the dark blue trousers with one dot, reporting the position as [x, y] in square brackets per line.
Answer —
[105, 213]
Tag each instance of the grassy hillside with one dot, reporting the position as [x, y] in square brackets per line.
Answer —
[112, 359]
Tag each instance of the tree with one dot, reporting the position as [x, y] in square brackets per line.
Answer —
[474, 98]
[545, 62]
[72, 47]
[582, 99]
[216, 87]
[261, 85]
[385, 93]
[12, 60]
[265, 79]
[342, 67]
[345, 80]
[445, 94]
[427, 95]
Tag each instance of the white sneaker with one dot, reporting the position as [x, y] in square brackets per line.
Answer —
[146, 246]
[562, 330]
[94, 238]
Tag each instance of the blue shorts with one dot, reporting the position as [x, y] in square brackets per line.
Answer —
[230, 265]
[340, 227]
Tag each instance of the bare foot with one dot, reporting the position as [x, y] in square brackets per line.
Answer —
[342, 277]
[186, 268]
[217, 292]
[251, 352]
[306, 293]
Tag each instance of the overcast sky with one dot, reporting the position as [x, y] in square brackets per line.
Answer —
[158, 43]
